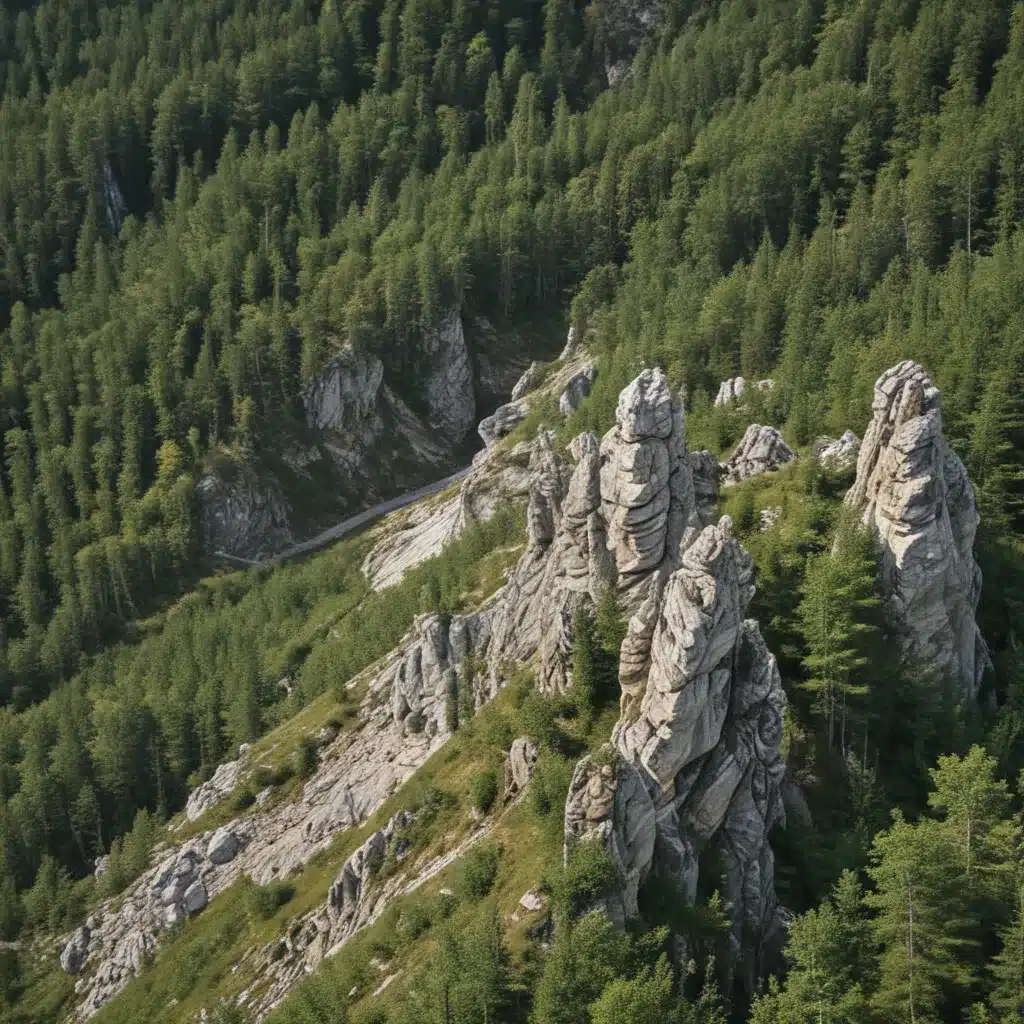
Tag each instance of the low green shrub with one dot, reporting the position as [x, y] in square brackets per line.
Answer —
[484, 790]
[479, 870]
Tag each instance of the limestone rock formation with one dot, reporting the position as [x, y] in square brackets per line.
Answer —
[75, 951]
[218, 787]
[761, 450]
[838, 455]
[519, 766]
[344, 395]
[707, 482]
[241, 512]
[451, 400]
[913, 491]
[223, 846]
[735, 388]
[576, 390]
[502, 421]
[609, 803]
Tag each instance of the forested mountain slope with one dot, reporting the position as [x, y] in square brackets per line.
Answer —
[200, 211]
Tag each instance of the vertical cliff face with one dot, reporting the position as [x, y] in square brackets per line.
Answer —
[913, 491]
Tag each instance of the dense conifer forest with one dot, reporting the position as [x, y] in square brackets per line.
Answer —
[198, 199]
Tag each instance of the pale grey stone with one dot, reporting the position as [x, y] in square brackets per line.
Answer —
[195, 898]
[577, 389]
[75, 951]
[519, 766]
[913, 491]
[223, 846]
[761, 450]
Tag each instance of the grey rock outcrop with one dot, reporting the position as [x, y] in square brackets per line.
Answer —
[707, 482]
[761, 450]
[519, 766]
[913, 491]
[707, 734]
[344, 395]
[75, 951]
[451, 400]
[735, 388]
[838, 455]
[195, 898]
[502, 421]
[217, 788]
[242, 513]
[576, 390]
[609, 804]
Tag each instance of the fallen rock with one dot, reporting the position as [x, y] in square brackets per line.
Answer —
[576, 390]
[761, 450]
[100, 866]
[76, 950]
[223, 846]
[913, 491]
[531, 901]
[195, 898]
[768, 517]
[327, 735]
[519, 766]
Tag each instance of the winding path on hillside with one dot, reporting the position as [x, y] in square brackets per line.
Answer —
[339, 530]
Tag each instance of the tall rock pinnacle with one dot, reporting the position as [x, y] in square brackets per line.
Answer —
[912, 490]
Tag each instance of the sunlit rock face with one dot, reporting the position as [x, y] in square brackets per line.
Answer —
[913, 491]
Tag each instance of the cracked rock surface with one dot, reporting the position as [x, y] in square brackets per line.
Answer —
[912, 490]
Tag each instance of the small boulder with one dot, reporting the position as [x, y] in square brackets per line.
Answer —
[223, 846]
[531, 901]
[73, 955]
[195, 898]
[174, 914]
[576, 390]
[769, 517]
[100, 866]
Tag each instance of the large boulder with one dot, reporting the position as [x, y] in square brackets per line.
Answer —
[502, 421]
[838, 455]
[223, 846]
[912, 490]
[761, 450]
[216, 789]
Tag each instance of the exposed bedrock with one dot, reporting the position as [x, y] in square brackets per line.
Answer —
[913, 491]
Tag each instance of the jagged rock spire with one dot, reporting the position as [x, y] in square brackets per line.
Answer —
[913, 491]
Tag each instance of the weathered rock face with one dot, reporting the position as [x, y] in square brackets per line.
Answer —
[242, 514]
[528, 381]
[576, 390]
[451, 400]
[707, 482]
[609, 803]
[519, 766]
[502, 421]
[344, 395]
[217, 788]
[838, 455]
[75, 951]
[761, 450]
[913, 491]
